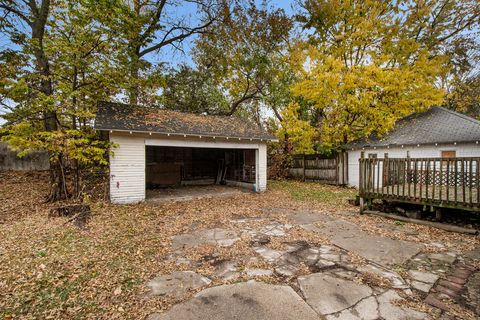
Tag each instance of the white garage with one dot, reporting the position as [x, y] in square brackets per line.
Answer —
[156, 148]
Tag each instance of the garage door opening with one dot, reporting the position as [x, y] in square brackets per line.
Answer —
[174, 167]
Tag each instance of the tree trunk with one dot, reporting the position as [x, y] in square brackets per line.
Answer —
[58, 190]
[76, 179]
[135, 57]
[57, 175]
[287, 146]
[133, 87]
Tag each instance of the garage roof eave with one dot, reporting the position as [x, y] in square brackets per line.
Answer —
[168, 134]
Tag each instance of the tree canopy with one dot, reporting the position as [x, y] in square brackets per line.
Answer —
[366, 64]
[329, 72]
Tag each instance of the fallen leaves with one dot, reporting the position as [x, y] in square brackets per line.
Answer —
[49, 269]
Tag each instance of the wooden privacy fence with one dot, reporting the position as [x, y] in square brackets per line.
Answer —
[438, 182]
[318, 168]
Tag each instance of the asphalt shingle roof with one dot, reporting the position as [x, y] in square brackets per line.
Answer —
[437, 125]
[124, 117]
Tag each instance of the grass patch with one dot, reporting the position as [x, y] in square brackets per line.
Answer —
[315, 192]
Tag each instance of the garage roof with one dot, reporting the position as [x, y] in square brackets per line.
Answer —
[124, 117]
[437, 125]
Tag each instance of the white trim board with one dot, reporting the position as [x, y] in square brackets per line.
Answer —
[200, 144]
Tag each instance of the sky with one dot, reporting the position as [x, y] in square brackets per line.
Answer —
[169, 55]
[175, 57]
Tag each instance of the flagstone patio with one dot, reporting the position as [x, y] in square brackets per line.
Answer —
[316, 279]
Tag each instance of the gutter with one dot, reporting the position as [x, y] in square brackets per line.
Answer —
[388, 146]
[184, 135]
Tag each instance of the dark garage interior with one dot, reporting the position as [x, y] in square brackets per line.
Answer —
[177, 166]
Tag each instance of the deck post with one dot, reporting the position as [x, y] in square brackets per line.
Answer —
[438, 214]
[386, 172]
[362, 205]
[408, 173]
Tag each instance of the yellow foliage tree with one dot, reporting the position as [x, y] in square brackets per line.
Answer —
[295, 131]
[363, 68]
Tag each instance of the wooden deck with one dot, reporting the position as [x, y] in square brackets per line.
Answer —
[440, 194]
[436, 182]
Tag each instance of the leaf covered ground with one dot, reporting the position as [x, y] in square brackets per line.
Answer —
[51, 269]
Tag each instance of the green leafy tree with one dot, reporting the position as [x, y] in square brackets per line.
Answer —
[53, 104]
[462, 83]
[25, 24]
[244, 54]
[464, 97]
[190, 90]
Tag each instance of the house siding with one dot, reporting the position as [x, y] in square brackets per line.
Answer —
[127, 164]
[462, 150]
[127, 169]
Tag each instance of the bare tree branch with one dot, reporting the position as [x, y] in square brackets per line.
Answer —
[177, 38]
[17, 12]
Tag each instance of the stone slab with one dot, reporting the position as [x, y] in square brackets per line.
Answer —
[307, 217]
[421, 286]
[226, 270]
[217, 236]
[444, 257]
[388, 310]
[422, 276]
[366, 309]
[395, 279]
[327, 294]
[275, 229]
[382, 250]
[268, 254]
[258, 272]
[248, 300]
[176, 284]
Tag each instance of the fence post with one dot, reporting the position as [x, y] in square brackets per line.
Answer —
[303, 166]
[337, 170]
[341, 169]
[362, 181]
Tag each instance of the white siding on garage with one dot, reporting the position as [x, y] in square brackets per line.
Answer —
[127, 164]
[462, 150]
[127, 169]
[261, 166]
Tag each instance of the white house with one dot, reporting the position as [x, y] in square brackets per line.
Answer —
[159, 148]
[436, 133]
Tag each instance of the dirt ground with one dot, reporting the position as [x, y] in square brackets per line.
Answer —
[51, 269]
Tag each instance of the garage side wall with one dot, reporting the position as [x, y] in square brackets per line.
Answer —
[261, 164]
[127, 169]
[462, 150]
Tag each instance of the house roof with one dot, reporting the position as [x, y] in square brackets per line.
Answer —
[124, 117]
[437, 125]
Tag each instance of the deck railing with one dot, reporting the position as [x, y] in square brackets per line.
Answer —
[451, 182]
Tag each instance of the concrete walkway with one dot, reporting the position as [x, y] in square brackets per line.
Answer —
[334, 287]
[250, 300]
